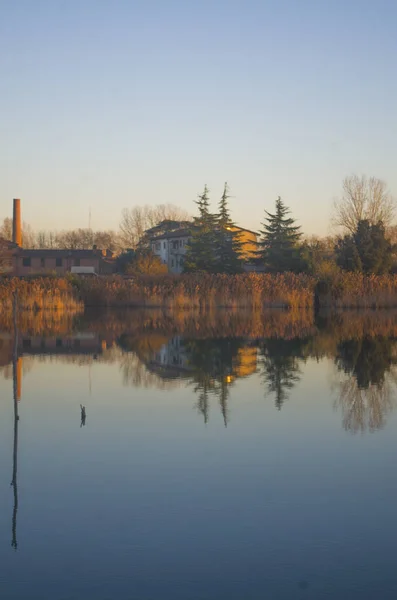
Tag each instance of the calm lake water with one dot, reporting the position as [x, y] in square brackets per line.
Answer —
[223, 456]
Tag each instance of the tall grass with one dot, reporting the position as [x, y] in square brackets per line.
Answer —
[39, 294]
[355, 290]
[250, 290]
[201, 290]
[253, 291]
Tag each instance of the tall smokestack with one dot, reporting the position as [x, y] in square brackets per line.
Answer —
[16, 223]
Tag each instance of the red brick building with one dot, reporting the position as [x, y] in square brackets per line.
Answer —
[29, 262]
[19, 261]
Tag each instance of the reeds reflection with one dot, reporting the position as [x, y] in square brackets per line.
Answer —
[210, 351]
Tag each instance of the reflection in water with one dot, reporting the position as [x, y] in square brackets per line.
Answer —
[280, 367]
[17, 377]
[210, 352]
[364, 408]
[366, 395]
[143, 472]
[214, 364]
[83, 415]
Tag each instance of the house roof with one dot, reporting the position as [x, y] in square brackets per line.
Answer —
[178, 233]
[7, 244]
[59, 253]
[168, 225]
[245, 229]
[186, 232]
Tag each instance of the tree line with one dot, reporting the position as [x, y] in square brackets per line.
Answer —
[133, 224]
[363, 214]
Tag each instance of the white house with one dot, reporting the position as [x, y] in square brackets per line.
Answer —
[171, 249]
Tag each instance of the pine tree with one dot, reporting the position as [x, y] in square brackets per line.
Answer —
[279, 247]
[228, 244]
[201, 254]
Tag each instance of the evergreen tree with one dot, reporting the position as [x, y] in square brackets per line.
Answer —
[201, 250]
[367, 250]
[374, 249]
[347, 256]
[279, 247]
[228, 244]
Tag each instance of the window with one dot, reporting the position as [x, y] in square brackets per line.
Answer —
[164, 245]
[172, 263]
[157, 246]
[58, 343]
[76, 262]
[76, 343]
[27, 343]
[175, 245]
[180, 243]
[42, 261]
[58, 262]
[26, 262]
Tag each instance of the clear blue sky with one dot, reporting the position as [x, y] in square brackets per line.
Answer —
[111, 103]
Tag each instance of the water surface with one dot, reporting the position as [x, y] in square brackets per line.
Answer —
[223, 456]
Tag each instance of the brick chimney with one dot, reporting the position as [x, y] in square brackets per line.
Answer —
[16, 223]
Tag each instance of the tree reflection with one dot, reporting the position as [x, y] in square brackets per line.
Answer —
[212, 365]
[366, 397]
[210, 351]
[280, 360]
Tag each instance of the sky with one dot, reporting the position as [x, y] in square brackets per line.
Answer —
[106, 104]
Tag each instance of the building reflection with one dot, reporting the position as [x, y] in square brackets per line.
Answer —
[210, 365]
[14, 349]
[362, 348]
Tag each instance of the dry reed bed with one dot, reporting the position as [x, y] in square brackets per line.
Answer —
[39, 294]
[201, 290]
[355, 290]
[250, 290]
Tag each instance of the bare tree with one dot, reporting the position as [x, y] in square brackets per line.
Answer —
[363, 198]
[76, 239]
[6, 229]
[47, 239]
[5, 256]
[28, 235]
[136, 220]
[106, 239]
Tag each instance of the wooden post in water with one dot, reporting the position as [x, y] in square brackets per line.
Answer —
[16, 387]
